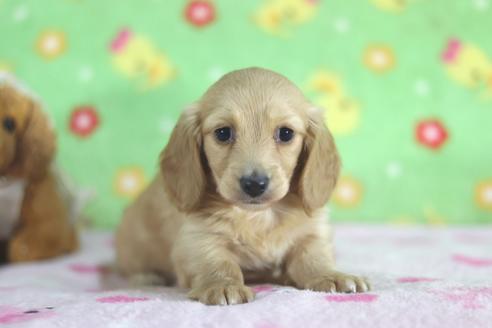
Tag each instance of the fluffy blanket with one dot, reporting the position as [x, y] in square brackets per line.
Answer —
[422, 277]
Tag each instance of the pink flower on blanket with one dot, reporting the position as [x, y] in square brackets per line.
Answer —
[121, 299]
[469, 298]
[415, 279]
[363, 298]
[262, 288]
[472, 261]
[9, 315]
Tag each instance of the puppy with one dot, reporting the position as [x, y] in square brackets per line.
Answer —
[240, 196]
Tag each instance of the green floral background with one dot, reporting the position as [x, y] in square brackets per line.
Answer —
[407, 84]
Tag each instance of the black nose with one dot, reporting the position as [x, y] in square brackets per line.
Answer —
[254, 185]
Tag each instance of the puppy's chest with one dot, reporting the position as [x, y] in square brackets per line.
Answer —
[261, 251]
[260, 246]
[11, 196]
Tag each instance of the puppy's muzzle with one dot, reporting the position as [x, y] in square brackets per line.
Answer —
[254, 185]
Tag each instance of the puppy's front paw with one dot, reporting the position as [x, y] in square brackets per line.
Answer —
[222, 293]
[339, 282]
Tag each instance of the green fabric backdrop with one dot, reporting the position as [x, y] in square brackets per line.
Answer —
[407, 84]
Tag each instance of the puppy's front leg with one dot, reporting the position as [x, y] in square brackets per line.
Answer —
[221, 284]
[212, 273]
[310, 265]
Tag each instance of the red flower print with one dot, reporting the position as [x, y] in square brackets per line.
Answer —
[431, 133]
[83, 121]
[199, 12]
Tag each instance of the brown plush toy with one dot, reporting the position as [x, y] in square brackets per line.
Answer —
[34, 214]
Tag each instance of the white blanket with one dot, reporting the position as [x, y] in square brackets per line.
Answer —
[421, 277]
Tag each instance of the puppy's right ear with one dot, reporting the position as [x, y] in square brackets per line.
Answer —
[181, 166]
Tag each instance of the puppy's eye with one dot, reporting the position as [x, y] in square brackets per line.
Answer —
[224, 134]
[9, 124]
[284, 135]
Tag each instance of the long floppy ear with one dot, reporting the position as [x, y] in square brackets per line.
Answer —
[320, 164]
[36, 143]
[181, 166]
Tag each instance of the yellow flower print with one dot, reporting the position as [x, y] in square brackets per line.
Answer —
[51, 44]
[394, 6]
[379, 58]
[129, 182]
[348, 192]
[403, 219]
[5, 67]
[342, 110]
[280, 17]
[483, 195]
[138, 58]
[433, 217]
[469, 65]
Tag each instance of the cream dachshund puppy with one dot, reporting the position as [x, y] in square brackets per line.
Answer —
[240, 196]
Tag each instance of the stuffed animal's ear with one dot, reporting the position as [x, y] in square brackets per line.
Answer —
[320, 164]
[36, 145]
[181, 162]
[35, 141]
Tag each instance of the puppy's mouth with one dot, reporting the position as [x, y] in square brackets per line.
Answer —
[253, 205]
[254, 201]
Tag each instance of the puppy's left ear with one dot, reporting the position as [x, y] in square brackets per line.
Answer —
[181, 162]
[36, 144]
[320, 164]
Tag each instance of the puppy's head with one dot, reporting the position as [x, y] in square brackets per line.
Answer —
[259, 138]
[27, 144]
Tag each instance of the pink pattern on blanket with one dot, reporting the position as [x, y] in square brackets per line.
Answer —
[474, 238]
[472, 261]
[364, 298]
[87, 268]
[415, 279]
[415, 240]
[121, 299]
[110, 243]
[262, 288]
[469, 298]
[10, 314]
